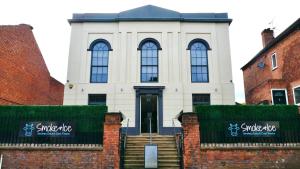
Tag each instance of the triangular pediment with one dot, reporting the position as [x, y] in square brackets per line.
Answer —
[149, 11]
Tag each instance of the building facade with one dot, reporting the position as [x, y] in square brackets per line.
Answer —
[273, 75]
[24, 77]
[149, 62]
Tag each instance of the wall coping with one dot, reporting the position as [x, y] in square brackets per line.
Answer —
[70, 147]
[251, 146]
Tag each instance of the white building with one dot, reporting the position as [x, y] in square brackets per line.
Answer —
[149, 59]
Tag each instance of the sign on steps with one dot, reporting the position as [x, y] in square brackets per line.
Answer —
[150, 155]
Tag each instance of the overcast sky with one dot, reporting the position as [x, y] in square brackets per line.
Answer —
[52, 31]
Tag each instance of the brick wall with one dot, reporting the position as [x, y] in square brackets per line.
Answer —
[24, 77]
[68, 156]
[258, 81]
[52, 159]
[229, 156]
[191, 143]
[240, 158]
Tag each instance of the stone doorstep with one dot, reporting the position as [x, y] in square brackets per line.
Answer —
[72, 147]
[251, 146]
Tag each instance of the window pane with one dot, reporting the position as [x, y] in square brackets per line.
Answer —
[97, 99]
[99, 63]
[194, 69]
[194, 77]
[149, 67]
[104, 70]
[105, 61]
[194, 61]
[204, 69]
[199, 77]
[93, 78]
[274, 61]
[199, 62]
[204, 78]
[200, 99]
[149, 61]
[154, 70]
[204, 61]
[297, 95]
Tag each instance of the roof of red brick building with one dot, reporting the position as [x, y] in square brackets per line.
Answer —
[24, 76]
[278, 39]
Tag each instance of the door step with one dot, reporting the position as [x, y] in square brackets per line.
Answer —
[168, 157]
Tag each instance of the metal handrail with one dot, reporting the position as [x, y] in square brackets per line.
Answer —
[174, 132]
[126, 132]
[179, 143]
[1, 158]
[123, 140]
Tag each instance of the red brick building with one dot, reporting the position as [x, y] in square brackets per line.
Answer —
[24, 77]
[273, 75]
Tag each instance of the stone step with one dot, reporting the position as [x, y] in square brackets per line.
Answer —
[160, 161]
[141, 166]
[147, 138]
[138, 153]
[128, 147]
[162, 157]
[160, 150]
[167, 152]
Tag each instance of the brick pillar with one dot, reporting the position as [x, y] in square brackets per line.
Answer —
[112, 125]
[191, 151]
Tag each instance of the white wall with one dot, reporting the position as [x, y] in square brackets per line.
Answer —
[174, 64]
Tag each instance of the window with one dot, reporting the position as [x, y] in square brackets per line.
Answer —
[99, 62]
[200, 99]
[297, 95]
[279, 96]
[199, 61]
[149, 62]
[97, 99]
[274, 61]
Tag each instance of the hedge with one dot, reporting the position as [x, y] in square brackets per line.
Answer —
[213, 119]
[87, 120]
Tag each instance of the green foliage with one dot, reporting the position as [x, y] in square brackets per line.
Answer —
[213, 119]
[88, 122]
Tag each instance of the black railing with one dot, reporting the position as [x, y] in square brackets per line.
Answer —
[86, 123]
[123, 140]
[215, 121]
[179, 143]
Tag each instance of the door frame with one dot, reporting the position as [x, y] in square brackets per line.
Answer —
[157, 112]
[277, 89]
[142, 90]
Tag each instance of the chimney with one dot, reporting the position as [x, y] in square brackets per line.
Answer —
[267, 36]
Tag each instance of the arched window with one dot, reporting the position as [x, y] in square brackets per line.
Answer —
[149, 60]
[199, 61]
[99, 63]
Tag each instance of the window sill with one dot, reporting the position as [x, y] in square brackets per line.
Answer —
[274, 68]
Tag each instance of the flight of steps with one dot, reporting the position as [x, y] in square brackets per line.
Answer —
[168, 157]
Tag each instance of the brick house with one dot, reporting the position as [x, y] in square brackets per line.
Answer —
[24, 77]
[273, 75]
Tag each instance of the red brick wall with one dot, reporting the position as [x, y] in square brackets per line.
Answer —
[247, 158]
[52, 159]
[24, 77]
[58, 157]
[229, 157]
[258, 81]
[191, 143]
[111, 138]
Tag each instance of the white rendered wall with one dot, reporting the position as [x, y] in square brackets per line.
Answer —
[174, 65]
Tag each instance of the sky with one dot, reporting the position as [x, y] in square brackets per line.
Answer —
[52, 31]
